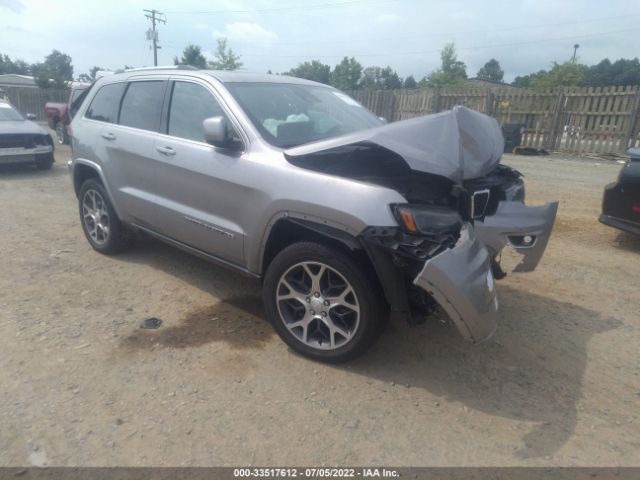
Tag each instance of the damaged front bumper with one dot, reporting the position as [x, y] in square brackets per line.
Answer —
[460, 280]
[526, 229]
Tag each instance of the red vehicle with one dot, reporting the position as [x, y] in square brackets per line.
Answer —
[57, 113]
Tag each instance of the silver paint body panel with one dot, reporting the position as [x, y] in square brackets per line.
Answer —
[223, 204]
[460, 279]
[515, 219]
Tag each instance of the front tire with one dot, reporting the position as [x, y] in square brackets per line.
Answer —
[46, 163]
[321, 302]
[99, 221]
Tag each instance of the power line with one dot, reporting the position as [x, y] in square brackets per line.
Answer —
[467, 32]
[424, 52]
[152, 34]
[316, 6]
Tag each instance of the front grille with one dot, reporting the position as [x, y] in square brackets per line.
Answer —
[479, 202]
[18, 140]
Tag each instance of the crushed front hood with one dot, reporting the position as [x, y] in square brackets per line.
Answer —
[459, 144]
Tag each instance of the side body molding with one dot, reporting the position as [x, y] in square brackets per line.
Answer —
[511, 224]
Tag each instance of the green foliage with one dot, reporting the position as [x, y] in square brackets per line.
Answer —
[346, 75]
[566, 74]
[621, 72]
[16, 66]
[91, 76]
[410, 83]
[225, 58]
[191, 55]
[491, 71]
[313, 70]
[55, 72]
[451, 72]
[377, 78]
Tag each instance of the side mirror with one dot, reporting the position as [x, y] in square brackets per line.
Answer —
[31, 116]
[216, 132]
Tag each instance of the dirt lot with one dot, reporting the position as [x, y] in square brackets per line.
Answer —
[83, 385]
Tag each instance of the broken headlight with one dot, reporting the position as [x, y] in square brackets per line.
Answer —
[427, 220]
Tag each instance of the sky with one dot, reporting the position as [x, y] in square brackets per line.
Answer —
[524, 36]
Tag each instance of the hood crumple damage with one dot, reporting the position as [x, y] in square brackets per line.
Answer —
[458, 144]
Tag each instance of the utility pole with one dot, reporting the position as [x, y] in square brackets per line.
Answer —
[156, 17]
[575, 49]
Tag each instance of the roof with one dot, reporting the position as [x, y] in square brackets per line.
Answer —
[233, 76]
[224, 76]
[14, 80]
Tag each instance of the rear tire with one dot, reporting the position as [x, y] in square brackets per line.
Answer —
[321, 302]
[61, 133]
[100, 224]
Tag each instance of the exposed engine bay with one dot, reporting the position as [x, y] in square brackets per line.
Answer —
[462, 208]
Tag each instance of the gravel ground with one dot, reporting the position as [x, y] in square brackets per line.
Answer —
[82, 385]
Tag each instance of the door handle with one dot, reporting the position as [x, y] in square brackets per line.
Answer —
[108, 136]
[168, 151]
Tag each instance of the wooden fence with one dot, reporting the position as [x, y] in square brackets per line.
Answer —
[32, 100]
[600, 120]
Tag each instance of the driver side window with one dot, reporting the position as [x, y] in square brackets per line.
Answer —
[190, 105]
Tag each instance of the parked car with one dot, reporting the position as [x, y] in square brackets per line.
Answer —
[58, 114]
[23, 141]
[621, 201]
[342, 217]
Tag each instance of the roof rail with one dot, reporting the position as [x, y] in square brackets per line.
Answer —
[168, 67]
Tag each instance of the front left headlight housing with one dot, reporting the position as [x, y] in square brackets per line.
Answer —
[427, 219]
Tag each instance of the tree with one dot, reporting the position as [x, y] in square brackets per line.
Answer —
[313, 70]
[346, 75]
[491, 71]
[567, 74]
[376, 78]
[525, 81]
[55, 72]
[410, 83]
[451, 72]
[91, 76]
[191, 55]
[17, 66]
[225, 58]
[621, 72]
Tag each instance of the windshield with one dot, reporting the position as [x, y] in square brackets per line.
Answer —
[8, 114]
[287, 115]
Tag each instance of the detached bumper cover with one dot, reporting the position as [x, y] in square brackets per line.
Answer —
[512, 222]
[460, 280]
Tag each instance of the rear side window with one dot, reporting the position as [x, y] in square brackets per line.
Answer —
[190, 105]
[142, 105]
[104, 106]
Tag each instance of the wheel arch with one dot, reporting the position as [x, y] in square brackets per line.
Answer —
[84, 170]
[288, 230]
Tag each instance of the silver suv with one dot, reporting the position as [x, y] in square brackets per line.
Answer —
[342, 217]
